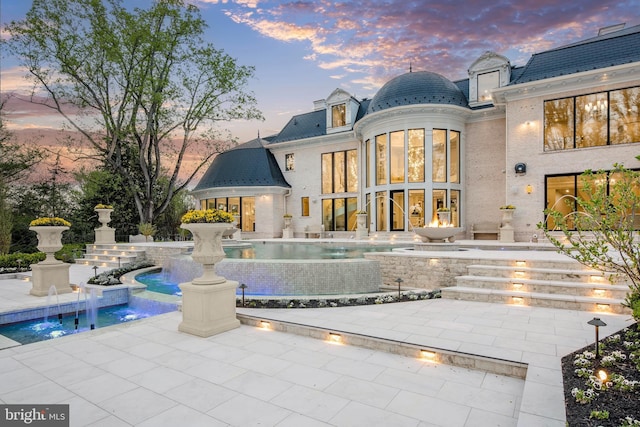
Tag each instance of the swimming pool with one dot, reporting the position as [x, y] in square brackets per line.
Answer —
[284, 269]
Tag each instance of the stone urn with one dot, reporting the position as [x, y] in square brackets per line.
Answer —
[207, 249]
[507, 216]
[49, 273]
[49, 241]
[104, 216]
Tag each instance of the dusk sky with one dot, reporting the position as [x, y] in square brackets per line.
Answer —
[303, 50]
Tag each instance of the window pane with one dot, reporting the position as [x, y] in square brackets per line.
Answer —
[397, 210]
[352, 171]
[339, 184]
[625, 115]
[439, 149]
[416, 208]
[438, 200]
[352, 207]
[248, 220]
[305, 206]
[592, 116]
[560, 192]
[221, 203]
[339, 214]
[487, 82]
[327, 214]
[338, 115]
[381, 159]
[558, 124]
[454, 204]
[454, 149]
[416, 155]
[397, 156]
[234, 205]
[367, 166]
[381, 211]
[289, 161]
[327, 173]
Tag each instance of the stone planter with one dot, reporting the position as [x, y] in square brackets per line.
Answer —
[104, 216]
[438, 234]
[49, 272]
[362, 230]
[209, 301]
[104, 234]
[506, 230]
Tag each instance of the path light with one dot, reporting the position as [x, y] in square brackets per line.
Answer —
[399, 281]
[243, 287]
[95, 271]
[597, 323]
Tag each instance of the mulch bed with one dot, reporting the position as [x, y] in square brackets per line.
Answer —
[620, 404]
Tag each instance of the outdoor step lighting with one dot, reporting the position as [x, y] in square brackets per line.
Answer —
[265, 325]
[335, 337]
[597, 323]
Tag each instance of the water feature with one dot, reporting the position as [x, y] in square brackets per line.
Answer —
[35, 330]
[52, 290]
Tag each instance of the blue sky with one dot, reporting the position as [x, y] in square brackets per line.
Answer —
[303, 50]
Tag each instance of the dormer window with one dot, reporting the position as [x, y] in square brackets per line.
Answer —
[338, 115]
[486, 83]
[487, 73]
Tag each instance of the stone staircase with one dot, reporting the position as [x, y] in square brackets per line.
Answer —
[540, 283]
[111, 255]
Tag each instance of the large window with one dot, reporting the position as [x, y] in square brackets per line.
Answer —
[454, 150]
[339, 214]
[340, 172]
[592, 120]
[367, 166]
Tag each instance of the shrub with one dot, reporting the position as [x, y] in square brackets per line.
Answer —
[17, 261]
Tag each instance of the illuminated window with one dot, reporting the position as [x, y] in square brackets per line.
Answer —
[592, 116]
[340, 172]
[338, 115]
[486, 83]
[289, 161]
[396, 158]
[439, 161]
[624, 115]
[339, 214]
[304, 206]
[454, 150]
[415, 154]
[381, 159]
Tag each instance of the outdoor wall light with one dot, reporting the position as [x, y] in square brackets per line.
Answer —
[529, 188]
[265, 325]
[520, 168]
[517, 286]
[597, 323]
[519, 273]
[518, 300]
[521, 263]
[602, 307]
[595, 278]
[598, 292]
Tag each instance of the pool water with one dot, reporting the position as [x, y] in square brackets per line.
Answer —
[321, 250]
[157, 281]
[31, 331]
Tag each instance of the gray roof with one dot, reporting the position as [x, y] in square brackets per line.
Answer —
[303, 126]
[617, 48]
[421, 87]
[247, 165]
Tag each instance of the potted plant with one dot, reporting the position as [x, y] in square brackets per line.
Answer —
[287, 220]
[104, 214]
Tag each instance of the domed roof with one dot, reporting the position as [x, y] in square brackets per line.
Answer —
[422, 87]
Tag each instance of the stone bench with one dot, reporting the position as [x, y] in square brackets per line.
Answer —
[313, 231]
[485, 231]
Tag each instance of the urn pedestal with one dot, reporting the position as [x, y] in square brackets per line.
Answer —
[362, 231]
[506, 230]
[49, 272]
[104, 233]
[209, 301]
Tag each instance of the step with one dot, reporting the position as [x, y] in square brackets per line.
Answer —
[521, 272]
[562, 301]
[603, 289]
[116, 252]
[106, 264]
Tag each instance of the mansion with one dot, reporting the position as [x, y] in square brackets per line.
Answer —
[505, 135]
